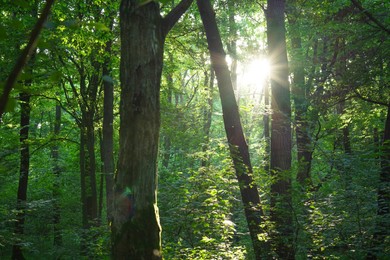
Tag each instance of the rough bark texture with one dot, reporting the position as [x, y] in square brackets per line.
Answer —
[136, 228]
[24, 171]
[136, 231]
[237, 144]
[281, 213]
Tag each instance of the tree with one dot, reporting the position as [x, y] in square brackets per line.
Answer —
[24, 57]
[281, 203]
[136, 231]
[237, 145]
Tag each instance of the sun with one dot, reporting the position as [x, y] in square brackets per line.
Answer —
[254, 74]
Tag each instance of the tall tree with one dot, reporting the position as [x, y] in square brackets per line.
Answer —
[281, 203]
[136, 231]
[24, 171]
[238, 147]
[300, 96]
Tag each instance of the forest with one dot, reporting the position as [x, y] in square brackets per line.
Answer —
[194, 129]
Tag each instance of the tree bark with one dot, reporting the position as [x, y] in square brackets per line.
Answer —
[237, 144]
[87, 156]
[25, 110]
[136, 231]
[108, 134]
[281, 203]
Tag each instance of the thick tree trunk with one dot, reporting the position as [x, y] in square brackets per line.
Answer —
[136, 228]
[136, 231]
[57, 241]
[237, 144]
[24, 172]
[281, 204]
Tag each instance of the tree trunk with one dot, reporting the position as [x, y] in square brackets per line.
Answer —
[57, 241]
[208, 111]
[136, 231]
[108, 134]
[237, 144]
[302, 127]
[266, 115]
[136, 228]
[281, 204]
[24, 171]
[383, 212]
[232, 45]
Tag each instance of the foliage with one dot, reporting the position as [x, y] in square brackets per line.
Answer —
[345, 62]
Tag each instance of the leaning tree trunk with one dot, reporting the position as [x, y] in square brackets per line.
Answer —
[136, 231]
[237, 144]
[281, 213]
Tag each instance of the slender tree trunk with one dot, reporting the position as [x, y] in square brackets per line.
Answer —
[88, 178]
[208, 111]
[281, 203]
[383, 198]
[136, 231]
[232, 45]
[237, 144]
[166, 138]
[267, 147]
[108, 134]
[57, 241]
[24, 172]
[302, 127]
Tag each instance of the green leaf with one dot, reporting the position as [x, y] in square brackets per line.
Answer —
[22, 3]
[55, 76]
[100, 27]
[3, 32]
[164, 1]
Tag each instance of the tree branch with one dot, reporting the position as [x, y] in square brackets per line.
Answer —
[357, 4]
[370, 100]
[174, 15]
[25, 56]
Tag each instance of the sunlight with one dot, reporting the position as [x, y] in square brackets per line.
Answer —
[255, 74]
